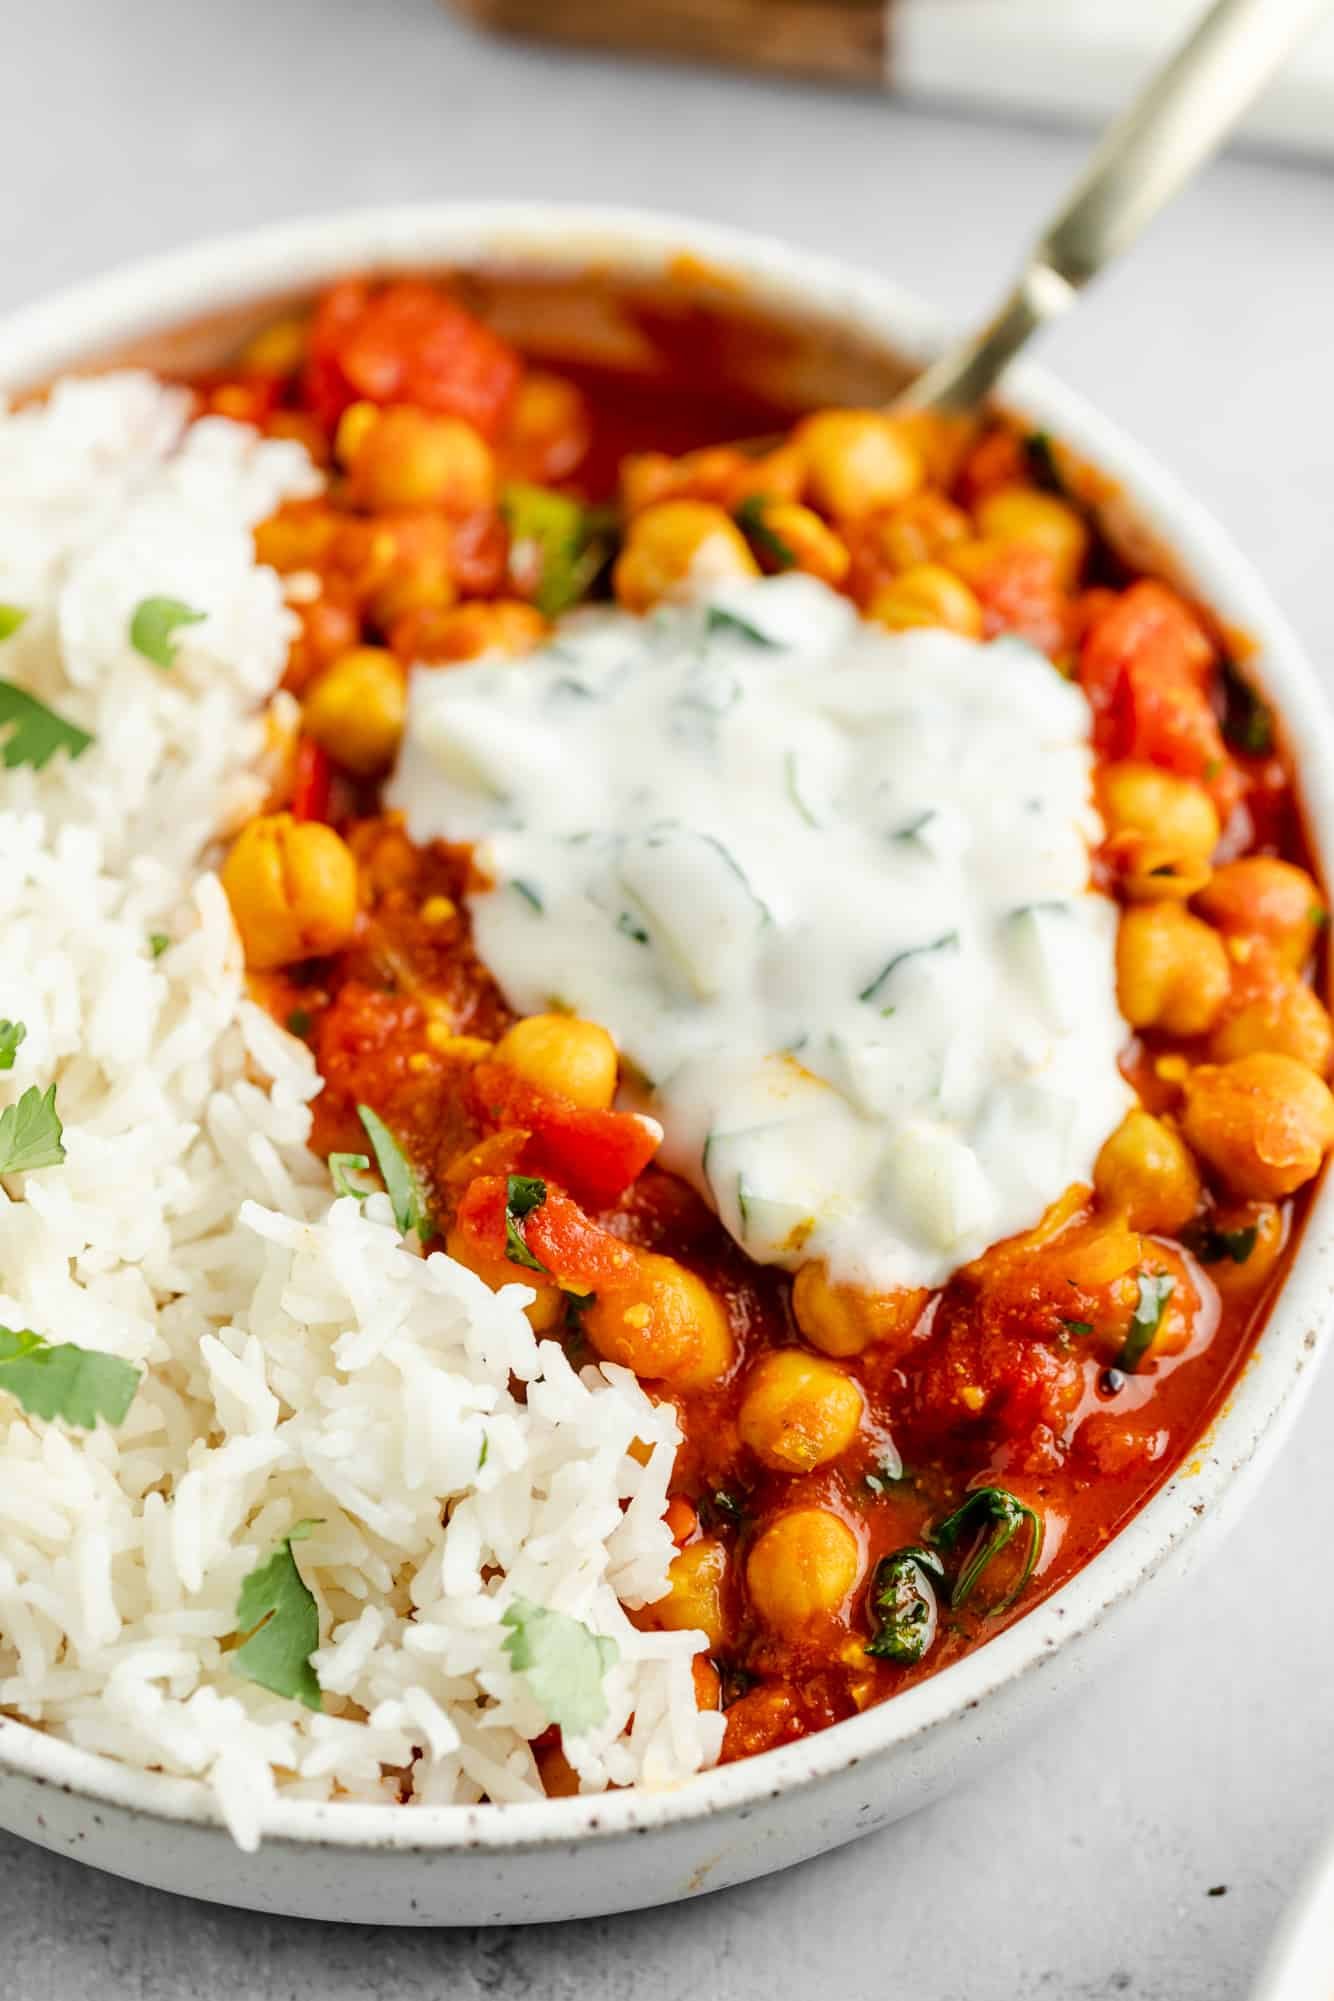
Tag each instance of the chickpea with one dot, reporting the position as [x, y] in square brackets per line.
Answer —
[297, 537]
[1262, 897]
[1270, 1008]
[292, 885]
[1146, 1174]
[927, 594]
[674, 545]
[356, 710]
[920, 530]
[1171, 970]
[808, 543]
[1263, 1123]
[844, 1319]
[547, 431]
[466, 631]
[414, 458]
[544, 1313]
[559, 1052]
[798, 1411]
[696, 1580]
[857, 461]
[1039, 521]
[662, 1322]
[802, 1569]
[396, 563]
[1138, 798]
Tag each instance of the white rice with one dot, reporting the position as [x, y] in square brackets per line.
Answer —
[300, 1362]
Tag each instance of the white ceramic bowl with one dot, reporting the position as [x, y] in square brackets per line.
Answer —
[564, 1858]
[1300, 1964]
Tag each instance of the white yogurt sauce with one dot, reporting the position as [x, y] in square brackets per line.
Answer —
[827, 887]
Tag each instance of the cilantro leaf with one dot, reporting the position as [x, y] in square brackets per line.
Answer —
[30, 1132]
[154, 621]
[158, 942]
[522, 1196]
[400, 1182]
[559, 541]
[11, 618]
[277, 1610]
[35, 733]
[750, 520]
[1155, 1289]
[1211, 1245]
[1248, 722]
[563, 1661]
[718, 619]
[12, 1033]
[1042, 467]
[988, 1519]
[1077, 1326]
[903, 1605]
[63, 1380]
[342, 1166]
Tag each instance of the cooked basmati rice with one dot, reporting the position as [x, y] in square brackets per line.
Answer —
[301, 1363]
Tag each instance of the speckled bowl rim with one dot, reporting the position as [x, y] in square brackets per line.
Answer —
[1227, 1465]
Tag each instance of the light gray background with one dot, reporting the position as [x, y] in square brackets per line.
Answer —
[1081, 1869]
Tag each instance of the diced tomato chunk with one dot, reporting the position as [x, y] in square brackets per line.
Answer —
[311, 781]
[1145, 666]
[1020, 592]
[595, 1154]
[558, 1233]
[407, 343]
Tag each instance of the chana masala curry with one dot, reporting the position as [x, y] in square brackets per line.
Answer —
[788, 1148]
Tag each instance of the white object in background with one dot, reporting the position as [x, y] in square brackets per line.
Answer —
[1082, 59]
[1300, 1964]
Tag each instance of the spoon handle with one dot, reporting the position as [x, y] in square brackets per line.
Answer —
[1148, 152]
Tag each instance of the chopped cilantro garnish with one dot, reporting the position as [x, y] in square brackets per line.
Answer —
[718, 619]
[400, 1182]
[1042, 467]
[299, 1022]
[11, 618]
[630, 927]
[523, 1194]
[720, 1508]
[1211, 1245]
[992, 1517]
[31, 1132]
[1155, 1289]
[277, 1610]
[530, 895]
[564, 1663]
[903, 1605]
[34, 732]
[342, 1167]
[1077, 1326]
[1248, 722]
[12, 1033]
[486, 1447]
[750, 520]
[154, 621]
[562, 541]
[61, 1380]
[158, 942]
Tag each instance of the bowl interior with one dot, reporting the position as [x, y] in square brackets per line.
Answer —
[774, 330]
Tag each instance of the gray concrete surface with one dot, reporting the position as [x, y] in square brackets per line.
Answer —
[1083, 1870]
